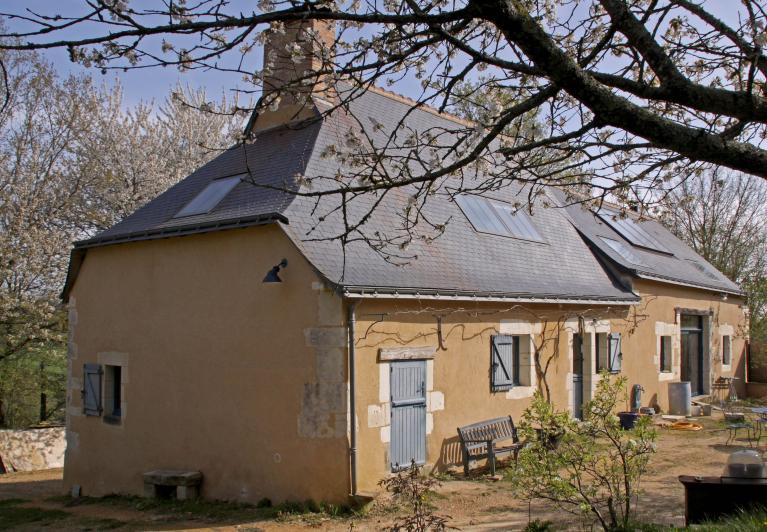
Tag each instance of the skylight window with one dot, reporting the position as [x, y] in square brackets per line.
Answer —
[518, 221]
[631, 230]
[702, 269]
[210, 196]
[497, 218]
[623, 250]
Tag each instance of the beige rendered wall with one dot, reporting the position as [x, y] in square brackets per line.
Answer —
[242, 380]
[660, 302]
[458, 382]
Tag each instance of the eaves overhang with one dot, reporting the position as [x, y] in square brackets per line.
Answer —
[369, 292]
[700, 286]
[182, 230]
[77, 256]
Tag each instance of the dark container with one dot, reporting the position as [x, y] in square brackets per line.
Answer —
[628, 419]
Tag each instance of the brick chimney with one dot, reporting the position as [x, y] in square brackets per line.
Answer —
[293, 54]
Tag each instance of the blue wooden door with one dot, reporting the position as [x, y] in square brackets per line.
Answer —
[408, 413]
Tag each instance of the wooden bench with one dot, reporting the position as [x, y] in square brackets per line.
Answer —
[166, 484]
[480, 440]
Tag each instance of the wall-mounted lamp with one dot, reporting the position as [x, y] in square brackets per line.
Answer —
[271, 276]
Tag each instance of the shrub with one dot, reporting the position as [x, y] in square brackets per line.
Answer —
[595, 468]
[266, 502]
[413, 489]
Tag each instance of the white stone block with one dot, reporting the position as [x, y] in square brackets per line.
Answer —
[384, 375]
[376, 416]
[520, 392]
[436, 401]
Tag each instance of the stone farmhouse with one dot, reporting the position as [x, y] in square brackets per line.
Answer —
[222, 329]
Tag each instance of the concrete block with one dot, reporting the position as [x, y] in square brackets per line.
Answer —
[436, 401]
[520, 327]
[384, 376]
[330, 364]
[375, 416]
[326, 336]
[520, 392]
[184, 493]
[319, 402]
[112, 358]
[329, 309]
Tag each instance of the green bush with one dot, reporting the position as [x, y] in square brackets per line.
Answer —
[590, 468]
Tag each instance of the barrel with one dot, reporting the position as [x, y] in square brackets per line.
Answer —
[679, 398]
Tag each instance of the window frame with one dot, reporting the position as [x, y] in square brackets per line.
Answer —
[513, 381]
[631, 231]
[112, 389]
[664, 356]
[491, 217]
[229, 184]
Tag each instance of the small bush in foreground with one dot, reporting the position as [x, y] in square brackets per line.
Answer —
[595, 467]
[413, 489]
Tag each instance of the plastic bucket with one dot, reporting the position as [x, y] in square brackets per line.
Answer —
[679, 398]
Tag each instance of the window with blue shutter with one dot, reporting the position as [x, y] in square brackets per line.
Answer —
[503, 362]
[615, 354]
[92, 389]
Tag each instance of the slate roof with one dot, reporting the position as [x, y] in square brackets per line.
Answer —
[459, 262]
[682, 265]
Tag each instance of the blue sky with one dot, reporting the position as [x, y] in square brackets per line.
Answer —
[155, 83]
[142, 84]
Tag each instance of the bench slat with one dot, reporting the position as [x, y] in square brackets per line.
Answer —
[474, 440]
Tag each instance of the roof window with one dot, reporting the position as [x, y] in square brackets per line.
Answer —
[498, 218]
[209, 197]
[702, 268]
[631, 230]
[623, 250]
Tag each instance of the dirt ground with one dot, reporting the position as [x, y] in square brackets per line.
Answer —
[477, 504]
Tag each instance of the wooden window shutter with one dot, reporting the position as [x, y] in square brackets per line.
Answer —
[616, 355]
[92, 376]
[502, 368]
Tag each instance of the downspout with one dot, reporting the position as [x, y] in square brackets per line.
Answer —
[352, 409]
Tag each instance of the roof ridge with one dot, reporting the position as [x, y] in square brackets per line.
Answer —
[420, 105]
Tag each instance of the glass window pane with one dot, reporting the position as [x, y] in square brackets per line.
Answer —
[210, 196]
[632, 231]
[481, 215]
[518, 222]
[623, 250]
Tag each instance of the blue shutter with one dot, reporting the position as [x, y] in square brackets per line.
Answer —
[615, 353]
[502, 367]
[92, 389]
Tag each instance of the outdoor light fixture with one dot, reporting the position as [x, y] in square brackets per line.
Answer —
[271, 276]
